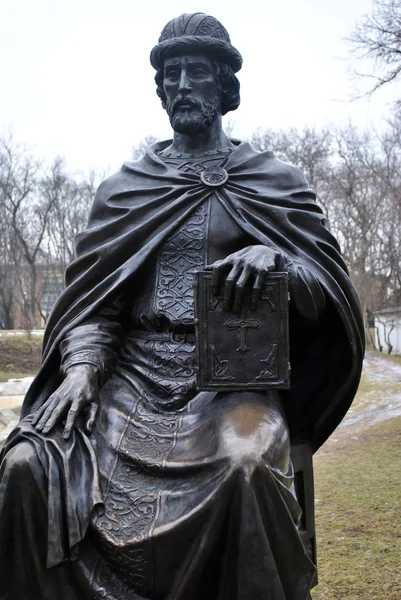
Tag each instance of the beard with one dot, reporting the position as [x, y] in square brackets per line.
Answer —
[194, 120]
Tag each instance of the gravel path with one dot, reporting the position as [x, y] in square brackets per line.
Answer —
[378, 399]
[383, 400]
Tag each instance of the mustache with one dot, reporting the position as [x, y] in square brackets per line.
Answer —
[184, 101]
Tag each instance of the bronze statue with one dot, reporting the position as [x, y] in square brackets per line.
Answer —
[123, 481]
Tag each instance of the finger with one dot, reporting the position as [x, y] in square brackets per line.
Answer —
[218, 270]
[211, 267]
[257, 289]
[38, 414]
[240, 288]
[46, 414]
[229, 286]
[93, 412]
[281, 262]
[72, 417]
[56, 415]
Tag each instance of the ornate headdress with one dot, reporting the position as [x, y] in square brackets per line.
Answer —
[195, 32]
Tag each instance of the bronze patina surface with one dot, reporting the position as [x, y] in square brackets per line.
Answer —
[123, 480]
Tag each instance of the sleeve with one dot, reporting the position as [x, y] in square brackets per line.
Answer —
[305, 290]
[96, 342]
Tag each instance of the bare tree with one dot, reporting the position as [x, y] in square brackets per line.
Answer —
[391, 148]
[139, 150]
[362, 211]
[388, 324]
[377, 36]
[357, 175]
[41, 209]
[18, 184]
[229, 127]
[70, 198]
[9, 257]
[309, 149]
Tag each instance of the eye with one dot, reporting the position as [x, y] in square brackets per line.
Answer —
[172, 74]
[198, 73]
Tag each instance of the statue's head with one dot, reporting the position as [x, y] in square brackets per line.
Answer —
[195, 66]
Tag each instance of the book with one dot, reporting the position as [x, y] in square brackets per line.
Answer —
[249, 350]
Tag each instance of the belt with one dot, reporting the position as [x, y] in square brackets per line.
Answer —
[177, 337]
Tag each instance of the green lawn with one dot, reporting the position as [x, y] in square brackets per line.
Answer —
[358, 516]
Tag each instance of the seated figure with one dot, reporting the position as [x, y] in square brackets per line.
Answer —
[122, 481]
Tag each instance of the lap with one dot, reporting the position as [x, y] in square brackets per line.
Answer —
[233, 428]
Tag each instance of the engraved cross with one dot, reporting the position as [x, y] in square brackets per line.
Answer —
[242, 324]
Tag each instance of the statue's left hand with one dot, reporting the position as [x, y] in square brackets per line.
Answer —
[246, 267]
[77, 394]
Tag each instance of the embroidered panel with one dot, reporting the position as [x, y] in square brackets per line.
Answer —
[109, 586]
[125, 524]
[182, 254]
[170, 365]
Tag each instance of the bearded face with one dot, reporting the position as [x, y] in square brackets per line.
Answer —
[193, 116]
[193, 96]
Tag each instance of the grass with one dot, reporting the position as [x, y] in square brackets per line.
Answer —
[6, 375]
[21, 339]
[19, 355]
[358, 517]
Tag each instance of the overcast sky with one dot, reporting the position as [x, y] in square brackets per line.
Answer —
[76, 78]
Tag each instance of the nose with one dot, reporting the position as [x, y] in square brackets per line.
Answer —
[185, 84]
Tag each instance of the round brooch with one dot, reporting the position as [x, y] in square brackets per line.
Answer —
[214, 176]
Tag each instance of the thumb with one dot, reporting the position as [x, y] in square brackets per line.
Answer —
[93, 412]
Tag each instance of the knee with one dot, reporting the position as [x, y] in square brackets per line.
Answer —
[20, 462]
[253, 435]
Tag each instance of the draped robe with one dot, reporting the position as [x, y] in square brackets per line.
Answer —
[134, 214]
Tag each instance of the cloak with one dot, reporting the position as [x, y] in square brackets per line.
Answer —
[135, 211]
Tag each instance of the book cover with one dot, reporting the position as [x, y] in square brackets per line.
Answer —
[249, 350]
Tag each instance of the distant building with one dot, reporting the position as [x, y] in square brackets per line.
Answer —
[388, 330]
[53, 285]
[49, 285]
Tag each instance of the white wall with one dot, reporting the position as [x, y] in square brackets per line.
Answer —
[383, 324]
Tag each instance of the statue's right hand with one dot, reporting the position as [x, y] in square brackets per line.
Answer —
[79, 392]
